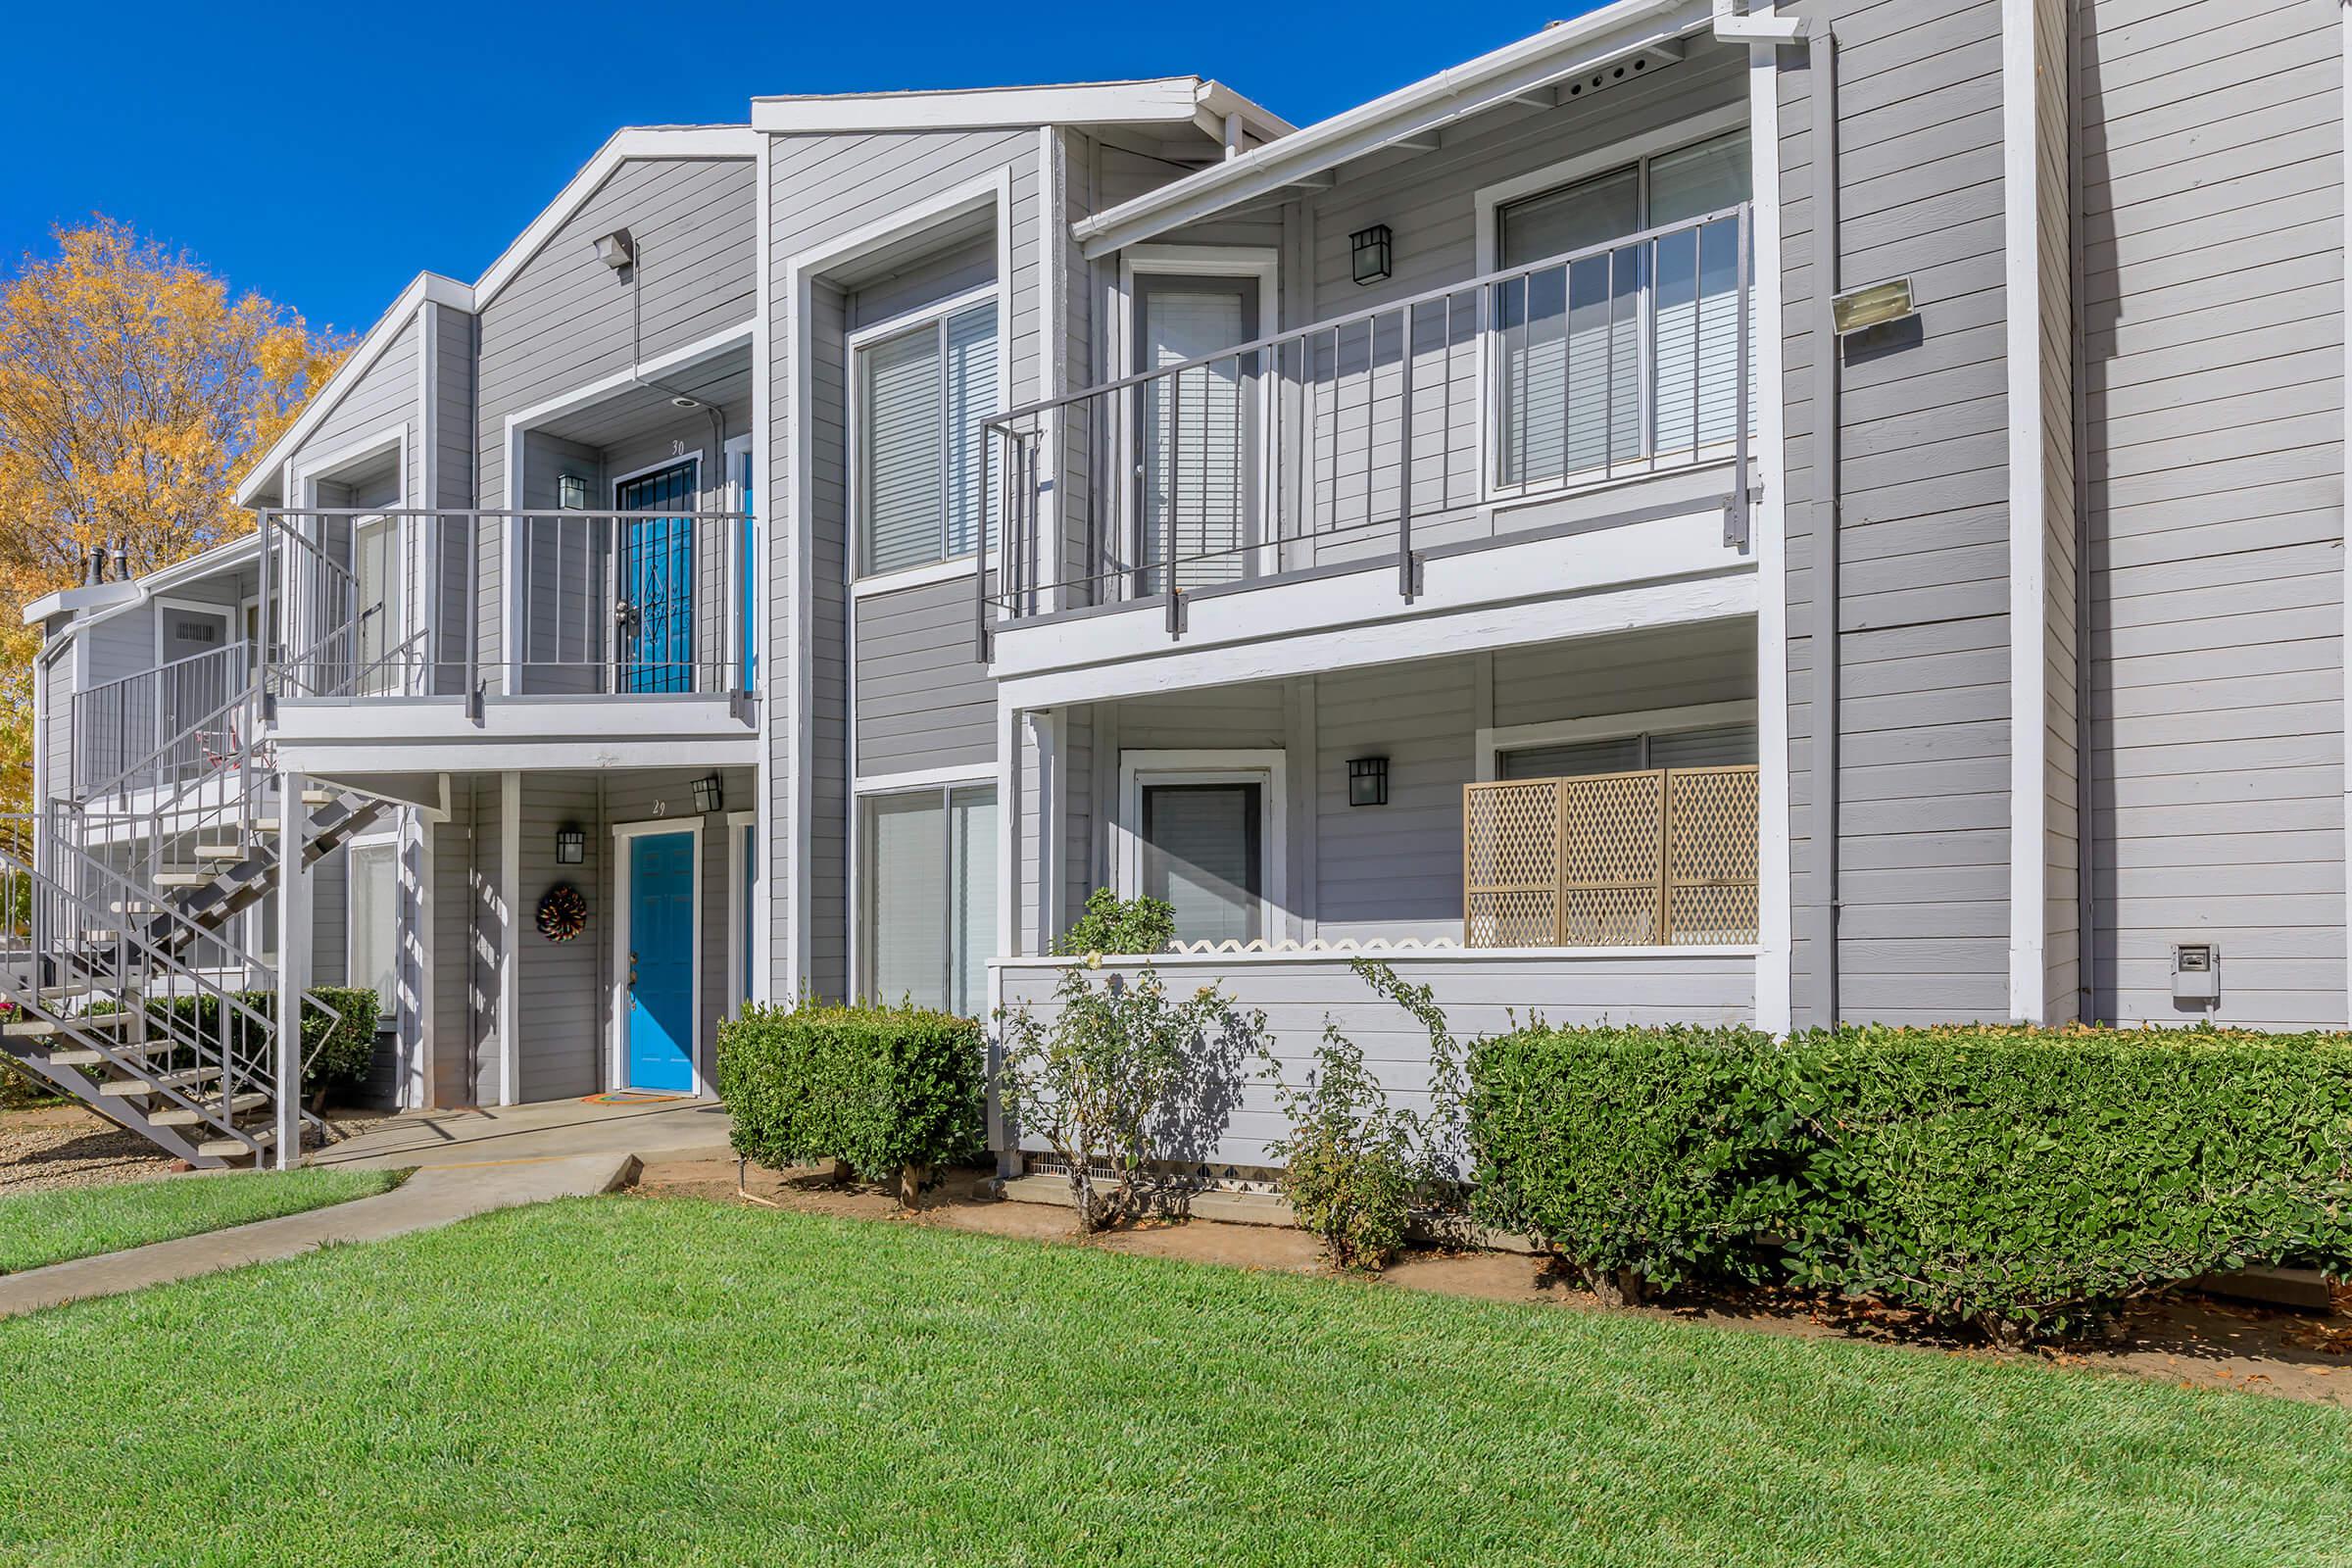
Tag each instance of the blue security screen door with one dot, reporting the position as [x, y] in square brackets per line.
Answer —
[656, 648]
[661, 941]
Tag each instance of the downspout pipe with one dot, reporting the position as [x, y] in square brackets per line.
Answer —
[1821, 44]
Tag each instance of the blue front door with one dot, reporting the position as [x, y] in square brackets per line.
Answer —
[656, 580]
[661, 941]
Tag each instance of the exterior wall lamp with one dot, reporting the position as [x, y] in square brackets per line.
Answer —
[571, 492]
[617, 250]
[709, 795]
[1369, 781]
[572, 844]
[1369, 249]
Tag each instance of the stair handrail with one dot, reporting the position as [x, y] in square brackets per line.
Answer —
[136, 960]
[264, 974]
[235, 656]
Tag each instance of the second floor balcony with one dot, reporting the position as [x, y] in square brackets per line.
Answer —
[534, 625]
[1596, 403]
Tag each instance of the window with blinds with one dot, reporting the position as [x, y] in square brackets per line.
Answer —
[929, 897]
[1714, 745]
[1626, 354]
[1203, 853]
[373, 944]
[922, 395]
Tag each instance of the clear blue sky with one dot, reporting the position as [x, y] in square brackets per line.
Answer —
[323, 155]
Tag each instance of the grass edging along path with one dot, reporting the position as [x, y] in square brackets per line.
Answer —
[37, 1229]
[671, 1380]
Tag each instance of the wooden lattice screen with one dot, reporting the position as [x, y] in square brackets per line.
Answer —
[1663, 856]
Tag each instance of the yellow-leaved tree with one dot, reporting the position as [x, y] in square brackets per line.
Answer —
[133, 389]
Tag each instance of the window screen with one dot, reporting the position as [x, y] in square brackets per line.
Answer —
[1202, 854]
[929, 897]
[374, 907]
[922, 397]
[1715, 746]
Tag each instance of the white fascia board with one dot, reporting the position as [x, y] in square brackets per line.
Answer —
[85, 596]
[369, 348]
[634, 141]
[1160, 100]
[1512, 71]
[1324, 625]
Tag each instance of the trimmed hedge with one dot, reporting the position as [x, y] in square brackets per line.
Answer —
[2020, 1179]
[338, 1055]
[887, 1091]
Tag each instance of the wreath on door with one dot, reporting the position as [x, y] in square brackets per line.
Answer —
[562, 913]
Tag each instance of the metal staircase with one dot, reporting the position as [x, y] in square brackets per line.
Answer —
[121, 981]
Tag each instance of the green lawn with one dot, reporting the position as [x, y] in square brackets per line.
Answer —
[50, 1227]
[668, 1381]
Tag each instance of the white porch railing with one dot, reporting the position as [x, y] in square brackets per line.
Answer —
[1384, 433]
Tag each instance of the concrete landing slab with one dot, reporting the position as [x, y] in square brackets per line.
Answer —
[551, 1129]
[434, 1196]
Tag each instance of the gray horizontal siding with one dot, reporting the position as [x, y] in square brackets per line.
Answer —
[1478, 994]
[2213, 325]
[1923, 668]
[924, 700]
[561, 984]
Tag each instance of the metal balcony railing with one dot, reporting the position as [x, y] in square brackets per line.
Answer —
[151, 731]
[1382, 434]
[414, 602]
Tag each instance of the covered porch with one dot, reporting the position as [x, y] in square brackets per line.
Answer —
[1567, 829]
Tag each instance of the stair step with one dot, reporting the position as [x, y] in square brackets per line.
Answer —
[64, 992]
[38, 1028]
[86, 1057]
[184, 878]
[97, 938]
[186, 1078]
[231, 1147]
[318, 797]
[134, 907]
[223, 852]
[179, 1117]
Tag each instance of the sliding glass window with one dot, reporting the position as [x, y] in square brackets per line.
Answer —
[928, 896]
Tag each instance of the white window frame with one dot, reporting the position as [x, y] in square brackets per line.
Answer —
[940, 781]
[387, 1016]
[1635, 152]
[1269, 767]
[618, 1069]
[307, 479]
[738, 957]
[1494, 741]
[233, 616]
[1261, 263]
[949, 569]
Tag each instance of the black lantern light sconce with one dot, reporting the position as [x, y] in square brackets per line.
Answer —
[1369, 781]
[1369, 249]
[572, 844]
[708, 797]
[571, 492]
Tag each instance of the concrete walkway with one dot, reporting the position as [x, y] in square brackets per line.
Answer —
[466, 1163]
[556, 1128]
[436, 1196]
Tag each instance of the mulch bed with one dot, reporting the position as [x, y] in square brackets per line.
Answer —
[2191, 1339]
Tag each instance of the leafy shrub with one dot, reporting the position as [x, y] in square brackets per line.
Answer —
[1644, 1156]
[2029, 1180]
[1349, 1159]
[1112, 925]
[2024, 1181]
[1098, 1081]
[889, 1091]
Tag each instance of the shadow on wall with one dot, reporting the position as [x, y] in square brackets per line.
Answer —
[1192, 1122]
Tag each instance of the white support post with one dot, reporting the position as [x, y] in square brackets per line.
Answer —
[293, 962]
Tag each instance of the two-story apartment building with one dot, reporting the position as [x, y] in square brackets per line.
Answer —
[1706, 513]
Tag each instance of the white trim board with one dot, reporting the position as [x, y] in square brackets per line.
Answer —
[1267, 768]
[2029, 524]
[738, 957]
[618, 1012]
[992, 192]
[1146, 101]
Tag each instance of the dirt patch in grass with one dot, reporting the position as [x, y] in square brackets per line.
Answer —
[49, 1147]
[2190, 1340]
